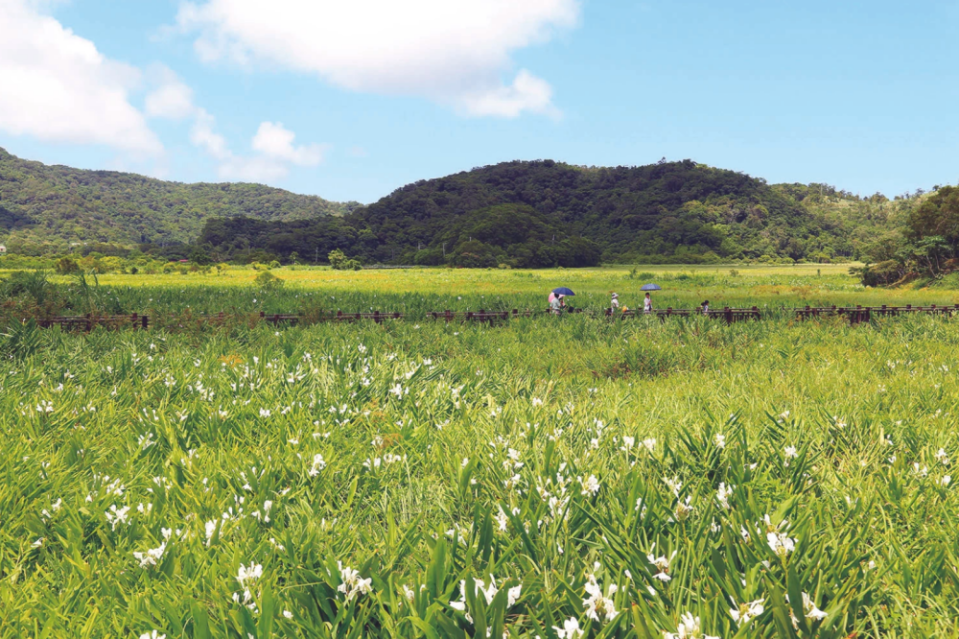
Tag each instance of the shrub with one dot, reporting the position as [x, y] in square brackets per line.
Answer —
[881, 274]
[340, 262]
[268, 281]
[67, 266]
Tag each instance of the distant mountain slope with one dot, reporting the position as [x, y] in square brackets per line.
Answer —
[522, 213]
[59, 205]
[651, 210]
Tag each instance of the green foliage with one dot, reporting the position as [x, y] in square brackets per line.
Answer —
[937, 216]
[928, 245]
[546, 214]
[33, 284]
[20, 340]
[881, 274]
[268, 281]
[67, 266]
[200, 257]
[55, 206]
[340, 262]
[416, 479]
[336, 258]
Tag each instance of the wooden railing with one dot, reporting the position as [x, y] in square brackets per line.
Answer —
[858, 314]
[88, 321]
[483, 315]
[855, 315]
[729, 315]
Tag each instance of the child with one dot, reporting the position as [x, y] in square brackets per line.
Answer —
[614, 304]
[648, 305]
[706, 307]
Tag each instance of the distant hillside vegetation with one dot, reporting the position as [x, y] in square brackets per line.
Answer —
[546, 213]
[57, 206]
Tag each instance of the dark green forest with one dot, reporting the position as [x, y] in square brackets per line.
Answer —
[544, 213]
[521, 214]
[49, 208]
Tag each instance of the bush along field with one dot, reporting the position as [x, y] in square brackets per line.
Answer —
[556, 478]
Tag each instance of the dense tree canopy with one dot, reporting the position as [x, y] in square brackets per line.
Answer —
[546, 213]
[59, 206]
[526, 214]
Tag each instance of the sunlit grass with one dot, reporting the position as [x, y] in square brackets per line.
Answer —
[428, 457]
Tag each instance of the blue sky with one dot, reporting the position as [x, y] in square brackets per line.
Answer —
[350, 102]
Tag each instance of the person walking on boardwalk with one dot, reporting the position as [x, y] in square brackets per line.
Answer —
[647, 305]
[614, 303]
[705, 307]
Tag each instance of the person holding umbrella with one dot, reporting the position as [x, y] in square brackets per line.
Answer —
[557, 299]
[648, 302]
[556, 305]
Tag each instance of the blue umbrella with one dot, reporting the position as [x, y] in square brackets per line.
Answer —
[562, 290]
[651, 287]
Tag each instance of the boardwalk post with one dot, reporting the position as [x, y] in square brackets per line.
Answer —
[729, 315]
[133, 320]
[756, 313]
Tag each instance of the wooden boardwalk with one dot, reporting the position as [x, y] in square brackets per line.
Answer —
[729, 315]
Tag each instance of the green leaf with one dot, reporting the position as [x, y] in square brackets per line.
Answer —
[264, 627]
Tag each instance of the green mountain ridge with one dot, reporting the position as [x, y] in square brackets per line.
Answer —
[520, 213]
[57, 206]
[546, 213]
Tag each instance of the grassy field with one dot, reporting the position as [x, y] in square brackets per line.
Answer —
[417, 291]
[555, 477]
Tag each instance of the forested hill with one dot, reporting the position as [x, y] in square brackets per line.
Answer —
[57, 206]
[544, 213]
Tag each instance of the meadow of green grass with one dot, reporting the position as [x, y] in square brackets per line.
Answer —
[555, 477]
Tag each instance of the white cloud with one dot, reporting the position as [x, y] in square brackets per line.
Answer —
[171, 99]
[56, 86]
[527, 93]
[204, 136]
[451, 51]
[273, 142]
[275, 153]
[276, 142]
